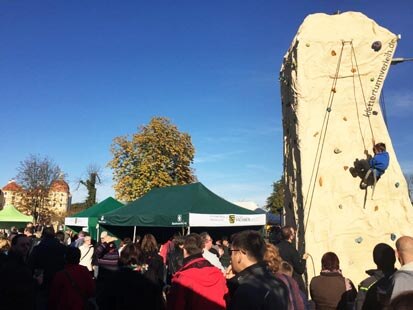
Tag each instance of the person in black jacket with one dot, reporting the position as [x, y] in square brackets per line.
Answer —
[151, 261]
[251, 285]
[128, 287]
[289, 253]
[371, 294]
[48, 257]
[17, 285]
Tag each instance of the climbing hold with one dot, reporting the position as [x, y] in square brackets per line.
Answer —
[328, 109]
[376, 46]
[393, 236]
[316, 134]
[337, 151]
[397, 184]
[307, 44]
[345, 168]
[376, 208]
[359, 240]
[320, 181]
[340, 206]
[333, 53]
[353, 70]
[375, 112]
[372, 79]
[345, 119]
[333, 90]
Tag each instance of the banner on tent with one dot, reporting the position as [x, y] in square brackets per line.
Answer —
[76, 221]
[218, 220]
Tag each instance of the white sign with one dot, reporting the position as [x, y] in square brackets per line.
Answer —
[226, 220]
[77, 221]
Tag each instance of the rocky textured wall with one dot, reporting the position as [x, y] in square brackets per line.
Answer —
[331, 80]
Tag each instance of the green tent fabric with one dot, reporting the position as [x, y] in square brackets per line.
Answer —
[89, 217]
[10, 216]
[191, 205]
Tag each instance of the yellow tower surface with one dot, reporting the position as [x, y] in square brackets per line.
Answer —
[331, 80]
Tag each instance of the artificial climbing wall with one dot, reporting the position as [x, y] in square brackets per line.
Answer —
[331, 80]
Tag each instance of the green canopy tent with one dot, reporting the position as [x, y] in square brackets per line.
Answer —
[187, 206]
[89, 218]
[10, 216]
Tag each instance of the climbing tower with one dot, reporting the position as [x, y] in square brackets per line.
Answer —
[331, 80]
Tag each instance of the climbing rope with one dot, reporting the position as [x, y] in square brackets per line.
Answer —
[321, 140]
[383, 107]
[362, 92]
[355, 100]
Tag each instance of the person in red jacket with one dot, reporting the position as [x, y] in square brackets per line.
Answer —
[198, 284]
[72, 286]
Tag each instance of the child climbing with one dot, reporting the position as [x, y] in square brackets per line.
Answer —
[372, 169]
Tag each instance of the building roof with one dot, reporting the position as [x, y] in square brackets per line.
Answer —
[59, 185]
[12, 186]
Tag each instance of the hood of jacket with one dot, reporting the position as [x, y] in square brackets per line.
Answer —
[200, 271]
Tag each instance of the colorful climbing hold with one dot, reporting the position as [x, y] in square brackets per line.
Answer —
[333, 53]
[372, 79]
[397, 184]
[393, 236]
[376, 208]
[307, 44]
[316, 134]
[359, 240]
[345, 119]
[340, 206]
[328, 109]
[353, 70]
[320, 181]
[333, 90]
[375, 112]
[337, 151]
[345, 168]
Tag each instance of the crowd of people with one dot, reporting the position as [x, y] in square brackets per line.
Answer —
[63, 271]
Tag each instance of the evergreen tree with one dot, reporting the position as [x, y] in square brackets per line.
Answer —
[275, 202]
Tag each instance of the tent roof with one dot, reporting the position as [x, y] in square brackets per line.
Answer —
[171, 206]
[11, 214]
[107, 205]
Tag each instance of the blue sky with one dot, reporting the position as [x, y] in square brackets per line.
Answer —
[76, 74]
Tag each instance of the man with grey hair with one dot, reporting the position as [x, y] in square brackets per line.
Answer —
[212, 258]
[403, 278]
[86, 253]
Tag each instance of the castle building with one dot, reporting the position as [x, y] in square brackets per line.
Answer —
[59, 195]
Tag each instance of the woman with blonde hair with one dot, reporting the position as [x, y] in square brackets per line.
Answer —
[280, 270]
[4, 245]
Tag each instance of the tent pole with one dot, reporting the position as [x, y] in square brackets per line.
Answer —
[134, 234]
[189, 230]
[98, 234]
